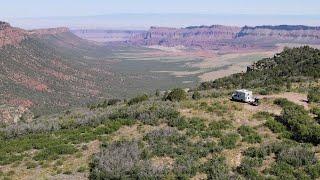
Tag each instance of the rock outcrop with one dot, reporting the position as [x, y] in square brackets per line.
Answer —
[13, 36]
[10, 35]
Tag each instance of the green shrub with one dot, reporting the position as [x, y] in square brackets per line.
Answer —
[255, 152]
[252, 162]
[249, 134]
[138, 99]
[297, 156]
[229, 141]
[264, 92]
[215, 128]
[217, 168]
[179, 122]
[244, 130]
[52, 145]
[221, 125]
[314, 170]
[30, 165]
[253, 138]
[196, 95]
[177, 94]
[275, 126]
[185, 167]
[161, 141]
[218, 108]
[297, 120]
[282, 170]
[53, 152]
[8, 158]
[262, 115]
[82, 169]
[203, 105]
[316, 111]
[301, 174]
[195, 126]
[247, 168]
[314, 95]
[282, 102]
[216, 95]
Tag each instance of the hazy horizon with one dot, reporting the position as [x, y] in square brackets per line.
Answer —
[128, 14]
[145, 20]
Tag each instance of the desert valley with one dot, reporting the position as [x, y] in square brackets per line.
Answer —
[191, 102]
[92, 69]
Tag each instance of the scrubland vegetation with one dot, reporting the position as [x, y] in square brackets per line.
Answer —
[199, 134]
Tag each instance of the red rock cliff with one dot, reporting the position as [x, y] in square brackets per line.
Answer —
[10, 35]
[13, 36]
[202, 36]
[228, 37]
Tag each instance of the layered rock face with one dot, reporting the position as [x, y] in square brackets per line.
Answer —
[202, 36]
[216, 37]
[303, 34]
[227, 37]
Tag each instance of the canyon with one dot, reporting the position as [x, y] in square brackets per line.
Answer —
[52, 69]
[215, 37]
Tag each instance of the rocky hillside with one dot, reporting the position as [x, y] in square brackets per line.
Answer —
[51, 69]
[13, 36]
[179, 135]
[10, 35]
[228, 37]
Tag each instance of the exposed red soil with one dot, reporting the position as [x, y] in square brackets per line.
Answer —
[29, 82]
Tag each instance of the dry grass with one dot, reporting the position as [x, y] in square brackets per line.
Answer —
[162, 162]
[199, 176]
[127, 132]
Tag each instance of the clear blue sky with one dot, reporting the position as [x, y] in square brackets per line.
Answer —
[48, 8]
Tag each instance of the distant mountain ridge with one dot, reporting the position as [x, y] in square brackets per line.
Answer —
[228, 37]
[284, 27]
[100, 35]
[215, 37]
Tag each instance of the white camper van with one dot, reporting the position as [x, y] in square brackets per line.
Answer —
[243, 95]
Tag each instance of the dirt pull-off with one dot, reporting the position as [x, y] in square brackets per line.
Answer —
[297, 98]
